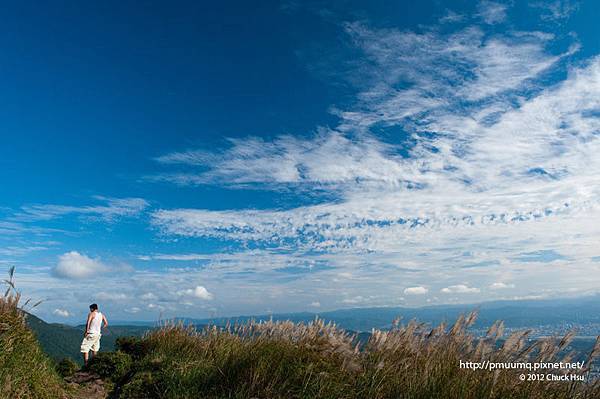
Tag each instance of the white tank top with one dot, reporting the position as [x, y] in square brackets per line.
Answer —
[96, 324]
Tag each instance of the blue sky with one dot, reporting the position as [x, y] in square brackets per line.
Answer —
[199, 159]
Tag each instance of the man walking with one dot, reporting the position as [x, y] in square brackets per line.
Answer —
[91, 337]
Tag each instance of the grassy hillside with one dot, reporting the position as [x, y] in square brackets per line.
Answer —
[316, 360]
[57, 340]
[25, 371]
[60, 341]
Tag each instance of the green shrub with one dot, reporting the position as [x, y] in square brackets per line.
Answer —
[67, 367]
[111, 365]
[133, 346]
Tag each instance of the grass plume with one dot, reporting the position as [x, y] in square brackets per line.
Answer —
[319, 360]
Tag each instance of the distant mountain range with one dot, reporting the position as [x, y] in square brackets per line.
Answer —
[60, 340]
[515, 314]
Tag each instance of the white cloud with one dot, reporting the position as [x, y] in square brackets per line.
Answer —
[513, 167]
[198, 292]
[111, 210]
[249, 278]
[463, 66]
[315, 304]
[328, 158]
[460, 289]
[110, 296]
[78, 266]
[455, 157]
[451, 17]
[501, 286]
[353, 301]
[556, 10]
[492, 12]
[74, 265]
[416, 291]
[178, 257]
[148, 296]
[441, 73]
[132, 310]
[61, 313]
[20, 250]
[533, 177]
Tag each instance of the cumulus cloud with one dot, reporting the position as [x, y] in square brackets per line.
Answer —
[148, 296]
[315, 304]
[78, 266]
[199, 292]
[61, 313]
[75, 265]
[501, 286]
[460, 289]
[416, 290]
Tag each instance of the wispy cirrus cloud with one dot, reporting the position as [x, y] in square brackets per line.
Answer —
[411, 78]
[492, 12]
[557, 10]
[411, 75]
[36, 227]
[495, 175]
[329, 158]
[109, 210]
[456, 143]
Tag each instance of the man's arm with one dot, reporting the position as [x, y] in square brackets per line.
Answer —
[104, 320]
[87, 324]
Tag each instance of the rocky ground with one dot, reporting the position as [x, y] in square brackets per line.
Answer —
[87, 385]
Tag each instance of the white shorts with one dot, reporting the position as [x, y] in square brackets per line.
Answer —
[90, 342]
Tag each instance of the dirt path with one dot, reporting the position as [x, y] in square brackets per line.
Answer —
[87, 385]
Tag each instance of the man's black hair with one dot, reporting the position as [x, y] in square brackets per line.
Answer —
[93, 307]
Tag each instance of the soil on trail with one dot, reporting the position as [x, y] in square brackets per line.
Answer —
[87, 385]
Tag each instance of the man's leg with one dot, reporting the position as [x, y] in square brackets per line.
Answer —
[85, 359]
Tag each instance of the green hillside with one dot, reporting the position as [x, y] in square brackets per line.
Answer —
[57, 340]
